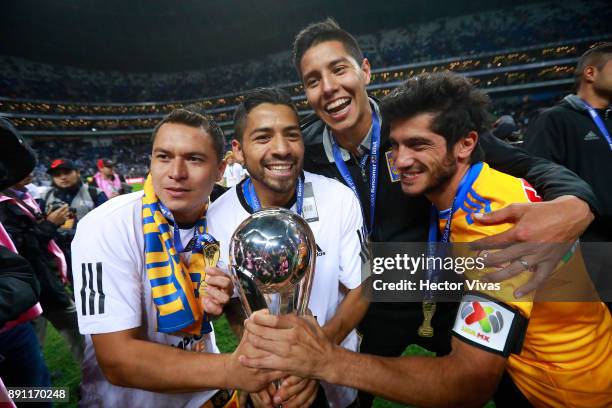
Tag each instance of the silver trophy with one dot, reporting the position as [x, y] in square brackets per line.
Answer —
[272, 258]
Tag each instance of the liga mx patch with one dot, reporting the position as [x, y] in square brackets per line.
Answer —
[394, 174]
[490, 325]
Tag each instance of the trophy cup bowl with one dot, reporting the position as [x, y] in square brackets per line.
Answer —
[272, 260]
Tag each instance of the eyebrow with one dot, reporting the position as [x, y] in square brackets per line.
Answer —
[338, 60]
[308, 74]
[412, 140]
[294, 127]
[194, 153]
[269, 129]
[418, 139]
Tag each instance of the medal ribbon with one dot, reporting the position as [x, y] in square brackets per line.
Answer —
[373, 156]
[196, 243]
[433, 239]
[250, 195]
[200, 236]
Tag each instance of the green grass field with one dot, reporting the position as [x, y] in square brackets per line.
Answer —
[59, 359]
[136, 186]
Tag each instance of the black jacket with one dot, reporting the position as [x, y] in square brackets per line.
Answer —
[19, 288]
[400, 218]
[566, 134]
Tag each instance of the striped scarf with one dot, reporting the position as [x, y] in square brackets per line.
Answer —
[175, 287]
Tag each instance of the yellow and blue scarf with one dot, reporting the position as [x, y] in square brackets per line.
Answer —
[174, 285]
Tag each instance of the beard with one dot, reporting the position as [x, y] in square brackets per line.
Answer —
[441, 175]
[280, 186]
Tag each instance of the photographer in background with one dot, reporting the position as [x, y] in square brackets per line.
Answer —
[107, 180]
[68, 192]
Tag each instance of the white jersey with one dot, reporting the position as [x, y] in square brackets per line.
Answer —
[336, 223]
[233, 174]
[112, 293]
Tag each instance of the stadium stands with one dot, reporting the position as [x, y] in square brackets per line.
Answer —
[459, 36]
[41, 100]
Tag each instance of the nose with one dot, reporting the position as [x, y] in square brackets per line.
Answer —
[402, 157]
[178, 169]
[279, 146]
[329, 84]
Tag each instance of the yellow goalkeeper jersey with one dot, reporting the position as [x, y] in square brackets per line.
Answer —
[566, 357]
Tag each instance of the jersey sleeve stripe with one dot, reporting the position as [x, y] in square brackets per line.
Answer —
[92, 291]
[101, 296]
[83, 286]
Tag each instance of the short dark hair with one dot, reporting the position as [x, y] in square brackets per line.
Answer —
[596, 56]
[196, 117]
[322, 31]
[459, 107]
[253, 99]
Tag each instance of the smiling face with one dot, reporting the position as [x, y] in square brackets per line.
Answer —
[420, 155]
[184, 169]
[272, 150]
[335, 86]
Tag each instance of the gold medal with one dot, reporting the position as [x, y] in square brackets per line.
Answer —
[429, 309]
[211, 257]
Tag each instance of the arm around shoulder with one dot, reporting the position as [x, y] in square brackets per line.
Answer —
[549, 179]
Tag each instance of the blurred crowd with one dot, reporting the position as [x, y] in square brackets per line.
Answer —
[131, 157]
[132, 154]
[459, 36]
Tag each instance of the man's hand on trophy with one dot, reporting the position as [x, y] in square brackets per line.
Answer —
[216, 291]
[263, 398]
[296, 345]
[245, 378]
[296, 392]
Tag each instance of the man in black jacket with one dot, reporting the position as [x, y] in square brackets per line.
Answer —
[21, 360]
[19, 289]
[567, 133]
[340, 141]
[570, 134]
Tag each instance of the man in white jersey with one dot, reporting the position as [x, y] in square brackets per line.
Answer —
[143, 319]
[268, 139]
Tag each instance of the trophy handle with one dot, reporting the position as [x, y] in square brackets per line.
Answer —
[305, 285]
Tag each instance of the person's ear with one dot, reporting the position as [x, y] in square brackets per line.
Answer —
[365, 68]
[466, 145]
[237, 150]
